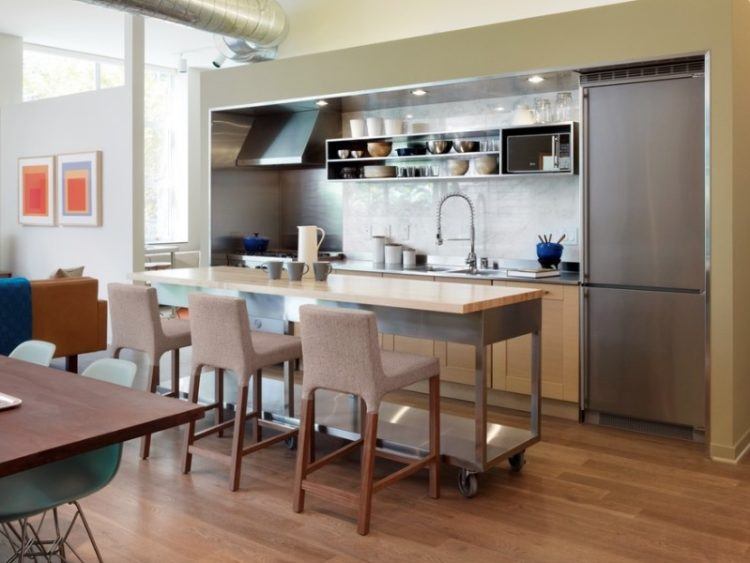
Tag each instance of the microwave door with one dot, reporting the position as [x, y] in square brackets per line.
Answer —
[527, 153]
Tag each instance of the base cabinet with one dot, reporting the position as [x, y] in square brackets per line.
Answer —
[510, 362]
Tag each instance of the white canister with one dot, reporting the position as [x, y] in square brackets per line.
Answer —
[308, 245]
[358, 127]
[375, 126]
[394, 126]
[393, 254]
[378, 249]
[410, 258]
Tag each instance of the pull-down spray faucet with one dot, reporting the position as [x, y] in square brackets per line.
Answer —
[471, 259]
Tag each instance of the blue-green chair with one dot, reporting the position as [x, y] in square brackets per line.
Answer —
[35, 491]
[34, 351]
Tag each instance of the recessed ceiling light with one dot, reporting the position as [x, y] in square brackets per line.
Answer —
[409, 116]
[419, 92]
[536, 79]
[321, 103]
[499, 108]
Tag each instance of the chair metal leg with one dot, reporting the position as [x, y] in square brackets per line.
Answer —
[434, 416]
[258, 404]
[88, 531]
[187, 457]
[153, 383]
[219, 397]
[367, 471]
[239, 437]
[303, 454]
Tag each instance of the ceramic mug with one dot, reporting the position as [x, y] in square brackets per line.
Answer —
[273, 269]
[296, 270]
[321, 270]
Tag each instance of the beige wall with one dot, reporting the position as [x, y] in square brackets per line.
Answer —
[631, 31]
[328, 25]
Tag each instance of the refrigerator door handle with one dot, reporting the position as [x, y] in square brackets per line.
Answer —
[585, 182]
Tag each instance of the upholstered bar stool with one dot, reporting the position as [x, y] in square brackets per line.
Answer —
[342, 353]
[222, 340]
[136, 325]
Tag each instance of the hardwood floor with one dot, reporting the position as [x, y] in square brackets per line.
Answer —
[586, 494]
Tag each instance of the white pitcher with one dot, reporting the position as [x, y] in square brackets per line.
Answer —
[308, 245]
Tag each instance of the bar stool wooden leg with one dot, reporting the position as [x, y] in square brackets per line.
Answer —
[219, 397]
[153, 383]
[367, 469]
[258, 404]
[435, 437]
[238, 438]
[303, 452]
[195, 382]
[176, 372]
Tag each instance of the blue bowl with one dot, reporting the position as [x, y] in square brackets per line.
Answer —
[549, 254]
[255, 243]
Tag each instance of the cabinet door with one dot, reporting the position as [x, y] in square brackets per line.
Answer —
[458, 361]
[560, 365]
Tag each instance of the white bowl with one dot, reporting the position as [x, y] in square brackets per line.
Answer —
[380, 171]
[457, 167]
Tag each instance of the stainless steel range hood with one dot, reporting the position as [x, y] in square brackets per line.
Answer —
[281, 139]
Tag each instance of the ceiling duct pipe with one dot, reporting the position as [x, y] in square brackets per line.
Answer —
[247, 30]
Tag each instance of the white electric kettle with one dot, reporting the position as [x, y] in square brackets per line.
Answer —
[308, 244]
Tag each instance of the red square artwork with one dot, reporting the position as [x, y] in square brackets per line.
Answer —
[77, 195]
[35, 191]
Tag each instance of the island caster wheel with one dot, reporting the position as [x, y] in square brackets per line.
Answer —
[291, 442]
[468, 485]
[517, 461]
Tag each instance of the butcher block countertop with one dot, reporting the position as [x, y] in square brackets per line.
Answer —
[414, 294]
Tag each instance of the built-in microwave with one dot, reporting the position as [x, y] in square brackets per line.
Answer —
[530, 151]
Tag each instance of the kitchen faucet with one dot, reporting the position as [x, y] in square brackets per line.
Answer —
[471, 259]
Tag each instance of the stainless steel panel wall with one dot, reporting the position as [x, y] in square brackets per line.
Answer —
[646, 199]
[645, 354]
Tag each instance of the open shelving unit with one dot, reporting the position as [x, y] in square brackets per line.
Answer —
[335, 165]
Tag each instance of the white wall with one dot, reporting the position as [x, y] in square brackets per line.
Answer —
[11, 69]
[77, 123]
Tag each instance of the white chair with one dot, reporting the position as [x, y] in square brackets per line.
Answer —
[35, 352]
[111, 370]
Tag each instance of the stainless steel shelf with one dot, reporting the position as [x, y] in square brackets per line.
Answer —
[449, 155]
[421, 178]
[434, 135]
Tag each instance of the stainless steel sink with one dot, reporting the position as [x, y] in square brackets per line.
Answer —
[478, 273]
[432, 268]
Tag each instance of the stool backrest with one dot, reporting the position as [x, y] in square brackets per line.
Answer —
[341, 351]
[111, 370]
[220, 333]
[134, 312]
[34, 351]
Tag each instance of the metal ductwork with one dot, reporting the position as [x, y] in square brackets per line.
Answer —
[247, 30]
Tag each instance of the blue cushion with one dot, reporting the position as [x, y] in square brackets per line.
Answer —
[15, 313]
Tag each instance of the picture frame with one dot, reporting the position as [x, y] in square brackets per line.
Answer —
[79, 189]
[36, 191]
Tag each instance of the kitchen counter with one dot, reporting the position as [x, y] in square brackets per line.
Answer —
[384, 292]
[445, 271]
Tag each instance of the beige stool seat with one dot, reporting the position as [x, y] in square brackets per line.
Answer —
[271, 349]
[222, 340]
[137, 325]
[342, 353]
[176, 333]
[402, 370]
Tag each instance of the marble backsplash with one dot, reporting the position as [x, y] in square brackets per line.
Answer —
[510, 211]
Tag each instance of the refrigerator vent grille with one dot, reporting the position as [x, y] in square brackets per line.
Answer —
[658, 70]
[645, 427]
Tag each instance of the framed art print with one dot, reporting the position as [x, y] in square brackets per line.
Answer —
[79, 189]
[36, 191]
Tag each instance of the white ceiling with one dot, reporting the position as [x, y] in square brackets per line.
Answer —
[315, 25]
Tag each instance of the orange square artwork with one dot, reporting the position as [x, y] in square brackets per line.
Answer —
[35, 186]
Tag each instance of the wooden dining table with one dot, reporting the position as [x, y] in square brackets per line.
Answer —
[63, 414]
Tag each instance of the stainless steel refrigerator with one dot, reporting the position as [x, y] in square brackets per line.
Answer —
[644, 263]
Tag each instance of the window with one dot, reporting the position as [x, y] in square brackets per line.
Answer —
[166, 194]
[48, 73]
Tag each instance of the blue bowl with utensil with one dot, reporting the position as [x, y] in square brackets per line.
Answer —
[549, 254]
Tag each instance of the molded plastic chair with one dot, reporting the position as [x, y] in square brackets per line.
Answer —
[111, 370]
[47, 487]
[35, 352]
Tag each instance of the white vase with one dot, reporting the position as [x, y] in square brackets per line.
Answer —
[308, 245]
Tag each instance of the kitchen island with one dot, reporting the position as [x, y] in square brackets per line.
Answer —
[471, 314]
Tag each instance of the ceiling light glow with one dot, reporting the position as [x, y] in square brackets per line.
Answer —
[321, 103]
[419, 92]
[536, 79]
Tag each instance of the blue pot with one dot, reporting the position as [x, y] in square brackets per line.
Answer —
[255, 243]
[549, 254]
